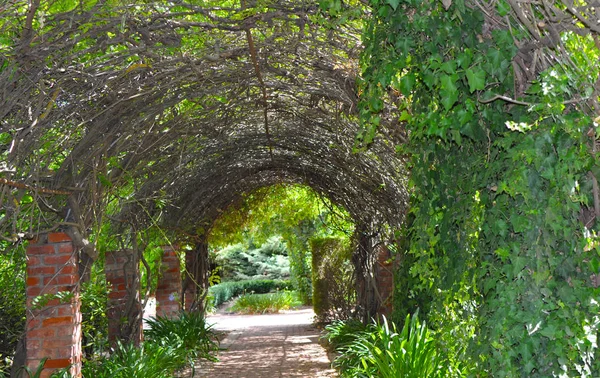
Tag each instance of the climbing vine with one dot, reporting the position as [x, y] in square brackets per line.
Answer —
[501, 239]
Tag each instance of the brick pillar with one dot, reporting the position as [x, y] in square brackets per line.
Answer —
[124, 311]
[53, 328]
[168, 291]
[384, 278]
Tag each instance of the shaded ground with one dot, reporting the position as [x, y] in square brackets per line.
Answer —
[279, 345]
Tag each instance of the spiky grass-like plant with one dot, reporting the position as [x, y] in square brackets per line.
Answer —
[380, 351]
[127, 361]
[189, 332]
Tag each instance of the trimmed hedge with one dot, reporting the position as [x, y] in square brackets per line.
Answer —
[223, 292]
[333, 291]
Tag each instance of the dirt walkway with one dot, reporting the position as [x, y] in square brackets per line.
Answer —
[269, 346]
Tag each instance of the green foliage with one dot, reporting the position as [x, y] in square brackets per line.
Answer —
[42, 301]
[94, 323]
[189, 333]
[296, 213]
[12, 301]
[126, 361]
[495, 247]
[274, 210]
[26, 372]
[340, 333]
[239, 262]
[221, 293]
[333, 291]
[266, 303]
[320, 298]
[380, 351]
[171, 344]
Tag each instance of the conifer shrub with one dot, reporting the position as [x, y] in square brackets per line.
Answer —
[244, 262]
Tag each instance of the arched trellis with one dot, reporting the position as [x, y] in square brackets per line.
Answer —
[183, 104]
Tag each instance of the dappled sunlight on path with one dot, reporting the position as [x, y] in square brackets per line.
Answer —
[279, 345]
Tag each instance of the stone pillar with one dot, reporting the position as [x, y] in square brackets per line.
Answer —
[168, 291]
[53, 328]
[384, 278]
[124, 311]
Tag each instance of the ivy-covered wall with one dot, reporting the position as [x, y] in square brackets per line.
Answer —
[497, 251]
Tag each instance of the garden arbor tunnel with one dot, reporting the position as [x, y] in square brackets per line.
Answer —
[166, 115]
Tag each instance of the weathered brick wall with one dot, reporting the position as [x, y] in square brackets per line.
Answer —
[168, 291]
[53, 327]
[124, 311]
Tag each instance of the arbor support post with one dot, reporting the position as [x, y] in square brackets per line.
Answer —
[197, 272]
[384, 278]
[124, 307]
[168, 291]
[363, 260]
[190, 288]
[53, 330]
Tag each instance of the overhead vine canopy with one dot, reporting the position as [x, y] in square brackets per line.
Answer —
[180, 107]
[170, 110]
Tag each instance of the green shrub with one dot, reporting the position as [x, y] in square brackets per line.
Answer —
[241, 262]
[266, 303]
[380, 351]
[94, 324]
[221, 293]
[170, 345]
[127, 361]
[340, 333]
[189, 332]
[12, 302]
[334, 296]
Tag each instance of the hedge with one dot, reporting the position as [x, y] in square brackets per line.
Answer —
[221, 293]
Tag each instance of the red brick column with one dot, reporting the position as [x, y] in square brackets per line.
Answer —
[53, 328]
[384, 278]
[168, 291]
[124, 307]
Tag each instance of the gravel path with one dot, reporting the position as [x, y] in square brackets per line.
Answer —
[269, 346]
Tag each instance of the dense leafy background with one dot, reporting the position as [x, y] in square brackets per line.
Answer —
[497, 252]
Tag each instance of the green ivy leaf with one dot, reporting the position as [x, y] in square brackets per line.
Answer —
[449, 67]
[406, 83]
[393, 3]
[549, 331]
[449, 91]
[503, 8]
[476, 79]
[595, 265]
[503, 253]
[449, 83]
[464, 58]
